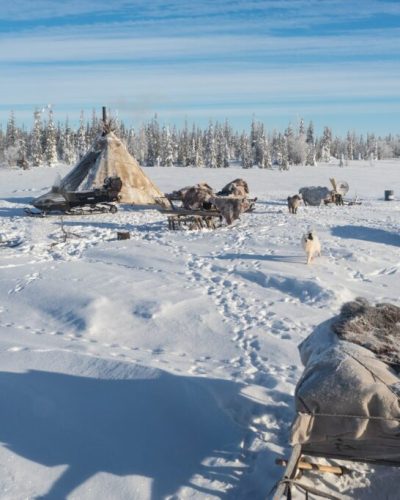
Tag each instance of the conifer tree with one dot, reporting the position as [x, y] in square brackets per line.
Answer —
[166, 150]
[350, 146]
[95, 128]
[36, 152]
[211, 153]
[198, 149]
[153, 142]
[80, 140]
[300, 145]
[283, 151]
[326, 144]
[142, 147]
[310, 145]
[11, 132]
[246, 151]
[69, 151]
[289, 144]
[50, 134]
[131, 142]
[265, 152]
[222, 149]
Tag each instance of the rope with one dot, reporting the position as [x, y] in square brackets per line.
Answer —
[374, 375]
[304, 488]
[364, 417]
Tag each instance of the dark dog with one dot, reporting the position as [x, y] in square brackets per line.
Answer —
[293, 203]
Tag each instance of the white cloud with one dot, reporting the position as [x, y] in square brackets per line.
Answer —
[206, 58]
[126, 46]
[189, 85]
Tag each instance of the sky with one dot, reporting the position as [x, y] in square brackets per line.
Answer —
[336, 62]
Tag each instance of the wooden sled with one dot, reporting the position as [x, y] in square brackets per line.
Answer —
[193, 219]
[296, 465]
[181, 218]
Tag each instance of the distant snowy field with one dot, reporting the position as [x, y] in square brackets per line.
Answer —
[164, 366]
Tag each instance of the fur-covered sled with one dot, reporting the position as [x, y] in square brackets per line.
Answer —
[201, 208]
[347, 400]
[183, 218]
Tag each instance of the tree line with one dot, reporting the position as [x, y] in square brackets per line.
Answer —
[217, 146]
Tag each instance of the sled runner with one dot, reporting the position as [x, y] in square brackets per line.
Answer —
[292, 475]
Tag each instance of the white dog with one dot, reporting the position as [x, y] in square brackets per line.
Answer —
[311, 245]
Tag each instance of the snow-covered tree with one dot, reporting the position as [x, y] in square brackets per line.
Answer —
[260, 146]
[264, 160]
[246, 151]
[95, 128]
[214, 147]
[211, 150]
[12, 134]
[80, 138]
[300, 145]
[310, 145]
[325, 145]
[15, 150]
[68, 151]
[142, 148]
[153, 142]
[222, 148]
[283, 152]
[196, 149]
[290, 144]
[50, 140]
[184, 147]
[166, 148]
[36, 152]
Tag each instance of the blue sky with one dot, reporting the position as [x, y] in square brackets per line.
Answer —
[334, 62]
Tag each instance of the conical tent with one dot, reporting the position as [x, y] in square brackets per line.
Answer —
[108, 157]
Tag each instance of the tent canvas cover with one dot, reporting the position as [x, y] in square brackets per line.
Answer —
[108, 157]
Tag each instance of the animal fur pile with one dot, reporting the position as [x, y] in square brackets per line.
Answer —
[314, 195]
[376, 328]
[231, 201]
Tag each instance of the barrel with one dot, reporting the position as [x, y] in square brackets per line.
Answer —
[389, 195]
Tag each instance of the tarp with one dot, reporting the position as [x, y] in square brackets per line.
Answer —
[347, 401]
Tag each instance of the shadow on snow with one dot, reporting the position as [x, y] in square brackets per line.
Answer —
[266, 257]
[161, 427]
[367, 234]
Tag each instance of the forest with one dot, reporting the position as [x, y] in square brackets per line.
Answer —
[217, 146]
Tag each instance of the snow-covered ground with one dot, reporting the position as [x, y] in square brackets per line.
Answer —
[164, 366]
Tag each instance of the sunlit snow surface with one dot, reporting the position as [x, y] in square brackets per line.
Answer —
[164, 366]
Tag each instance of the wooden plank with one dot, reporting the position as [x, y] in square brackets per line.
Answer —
[184, 211]
[332, 469]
